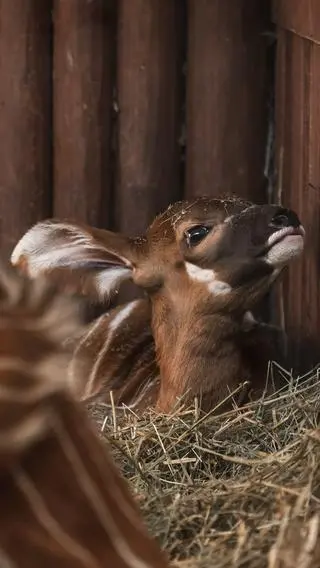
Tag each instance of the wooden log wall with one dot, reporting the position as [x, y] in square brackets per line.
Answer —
[226, 97]
[298, 164]
[25, 117]
[110, 110]
[83, 80]
[149, 97]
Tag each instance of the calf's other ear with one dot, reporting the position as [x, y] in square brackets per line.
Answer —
[78, 258]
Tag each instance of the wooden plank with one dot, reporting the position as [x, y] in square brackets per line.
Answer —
[226, 97]
[280, 115]
[149, 73]
[25, 117]
[310, 201]
[278, 297]
[314, 121]
[296, 137]
[300, 17]
[84, 53]
[298, 159]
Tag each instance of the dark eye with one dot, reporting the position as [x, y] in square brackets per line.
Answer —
[196, 234]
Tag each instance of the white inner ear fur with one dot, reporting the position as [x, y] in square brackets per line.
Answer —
[109, 280]
[209, 278]
[50, 245]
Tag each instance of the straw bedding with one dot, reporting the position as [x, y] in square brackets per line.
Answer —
[239, 489]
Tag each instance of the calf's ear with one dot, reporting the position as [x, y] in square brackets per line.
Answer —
[80, 259]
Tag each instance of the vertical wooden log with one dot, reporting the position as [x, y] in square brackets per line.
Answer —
[278, 299]
[298, 17]
[25, 117]
[227, 97]
[298, 170]
[83, 80]
[149, 82]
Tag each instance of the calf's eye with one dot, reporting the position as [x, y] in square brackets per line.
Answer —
[196, 234]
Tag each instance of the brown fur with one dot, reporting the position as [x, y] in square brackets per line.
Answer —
[186, 340]
[63, 502]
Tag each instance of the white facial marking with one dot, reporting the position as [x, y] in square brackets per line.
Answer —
[218, 288]
[199, 274]
[215, 287]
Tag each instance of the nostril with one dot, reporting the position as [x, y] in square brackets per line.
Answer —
[279, 221]
[285, 218]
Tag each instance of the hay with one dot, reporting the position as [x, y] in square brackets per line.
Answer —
[241, 489]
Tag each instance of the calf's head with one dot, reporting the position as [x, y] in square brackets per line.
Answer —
[204, 264]
[223, 253]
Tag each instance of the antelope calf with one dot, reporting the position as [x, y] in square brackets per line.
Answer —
[203, 265]
[63, 502]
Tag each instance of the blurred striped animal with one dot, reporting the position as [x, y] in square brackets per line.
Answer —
[63, 501]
